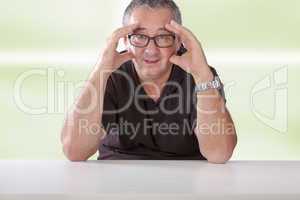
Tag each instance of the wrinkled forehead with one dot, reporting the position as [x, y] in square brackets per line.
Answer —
[151, 20]
[147, 31]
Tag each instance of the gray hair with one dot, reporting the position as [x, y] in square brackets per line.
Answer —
[170, 4]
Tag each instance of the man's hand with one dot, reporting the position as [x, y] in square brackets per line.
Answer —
[110, 58]
[194, 60]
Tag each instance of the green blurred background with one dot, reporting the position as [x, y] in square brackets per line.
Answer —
[253, 44]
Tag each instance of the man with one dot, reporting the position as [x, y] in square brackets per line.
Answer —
[159, 99]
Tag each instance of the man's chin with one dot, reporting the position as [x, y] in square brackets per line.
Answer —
[152, 71]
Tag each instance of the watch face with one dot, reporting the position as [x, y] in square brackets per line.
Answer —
[214, 84]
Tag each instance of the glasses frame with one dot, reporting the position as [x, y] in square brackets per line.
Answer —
[151, 38]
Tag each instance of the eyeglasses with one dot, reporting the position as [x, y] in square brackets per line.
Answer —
[161, 41]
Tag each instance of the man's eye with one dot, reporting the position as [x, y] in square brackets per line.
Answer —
[164, 37]
[160, 37]
[141, 37]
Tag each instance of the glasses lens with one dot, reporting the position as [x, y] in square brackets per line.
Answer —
[139, 40]
[164, 40]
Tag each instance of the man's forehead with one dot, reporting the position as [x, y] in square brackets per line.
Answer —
[151, 19]
[159, 29]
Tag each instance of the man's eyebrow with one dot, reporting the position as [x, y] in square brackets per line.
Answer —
[163, 29]
[142, 29]
[139, 29]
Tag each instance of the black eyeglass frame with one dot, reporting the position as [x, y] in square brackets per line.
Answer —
[152, 38]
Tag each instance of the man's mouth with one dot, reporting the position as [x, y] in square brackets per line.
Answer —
[151, 61]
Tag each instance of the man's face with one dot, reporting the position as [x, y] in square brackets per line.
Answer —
[152, 61]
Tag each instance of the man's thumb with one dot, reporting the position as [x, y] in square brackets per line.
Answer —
[175, 60]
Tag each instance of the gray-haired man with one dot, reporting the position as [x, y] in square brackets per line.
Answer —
[159, 99]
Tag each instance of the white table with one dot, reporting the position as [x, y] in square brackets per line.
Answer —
[149, 180]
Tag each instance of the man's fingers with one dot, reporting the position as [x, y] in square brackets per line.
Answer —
[186, 36]
[176, 60]
[122, 32]
[186, 32]
[183, 38]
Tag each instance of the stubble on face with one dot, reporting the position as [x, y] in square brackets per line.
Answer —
[152, 62]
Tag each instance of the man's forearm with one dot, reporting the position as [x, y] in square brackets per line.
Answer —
[82, 131]
[215, 129]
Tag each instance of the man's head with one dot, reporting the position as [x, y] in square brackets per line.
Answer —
[152, 59]
[169, 4]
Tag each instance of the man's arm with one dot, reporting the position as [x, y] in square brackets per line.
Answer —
[215, 129]
[82, 132]
[79, 140]
[216, 144]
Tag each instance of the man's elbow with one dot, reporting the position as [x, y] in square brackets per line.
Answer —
[75, 158]
[220, 154]
[218, 157]
[72, 153]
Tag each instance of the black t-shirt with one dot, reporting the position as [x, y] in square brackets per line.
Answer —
[140, 128]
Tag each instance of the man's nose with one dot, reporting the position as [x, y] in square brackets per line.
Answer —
[152, 48]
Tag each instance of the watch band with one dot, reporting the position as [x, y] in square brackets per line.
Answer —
[214, 84]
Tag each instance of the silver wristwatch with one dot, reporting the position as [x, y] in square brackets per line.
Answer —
[214, 84]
